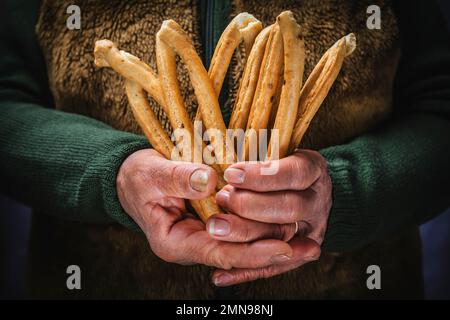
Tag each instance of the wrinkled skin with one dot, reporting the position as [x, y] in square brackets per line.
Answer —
[299, 192]
[260, 239]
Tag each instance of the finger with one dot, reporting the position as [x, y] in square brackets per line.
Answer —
[174, 202]
[304, 250]
[180, 179]
[228, 255]
[167, 228]
[232, 228]
[279, 207]
[178, 238]
[158, 220]
[296, 172]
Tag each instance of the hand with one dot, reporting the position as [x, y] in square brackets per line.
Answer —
[269, 204]
[152, 189]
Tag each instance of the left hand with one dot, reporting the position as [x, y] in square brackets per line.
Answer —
[270, 206]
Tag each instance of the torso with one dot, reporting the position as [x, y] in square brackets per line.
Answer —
[117, 262]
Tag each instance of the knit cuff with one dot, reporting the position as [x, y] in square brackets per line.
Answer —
[344, 222]
[110, 199]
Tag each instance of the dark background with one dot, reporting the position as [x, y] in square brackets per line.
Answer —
[15, 226]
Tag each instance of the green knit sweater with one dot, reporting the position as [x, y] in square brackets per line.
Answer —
[389, 179]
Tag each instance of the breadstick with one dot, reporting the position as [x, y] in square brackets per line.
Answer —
[174, 37]
[276, 102]
[244, 27]
[161, 142]
[177, 114]
[267, 85]
[206, 208]
[140, 76]
[176, 111]
[244, 97]
[136, 71]
[319, 84]
[147, 120]
[294, 60]
[130, 67]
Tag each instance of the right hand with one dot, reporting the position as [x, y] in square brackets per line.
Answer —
[152, 190]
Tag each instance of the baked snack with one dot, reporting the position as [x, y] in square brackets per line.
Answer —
[270, 94]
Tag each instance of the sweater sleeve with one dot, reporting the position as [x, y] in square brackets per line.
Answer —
[59, 163]
[398, 175]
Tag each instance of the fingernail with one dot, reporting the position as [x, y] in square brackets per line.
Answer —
[222, 197]
[232, 175]
[223, 279]
[219, 227]
[280, 258]
[199, 180]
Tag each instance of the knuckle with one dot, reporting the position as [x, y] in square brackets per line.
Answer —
[245, 233]
[307, 167]
[298, 170]
[240, 231]
[174, 171]
[249, 275]
[265, 273]
[238, 201]
[180, 170]
[175, 177]
[317, 163]
[321, 235]
[293, 207]
[215, 257]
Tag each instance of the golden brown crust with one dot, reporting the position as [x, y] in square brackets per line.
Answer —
[319, 84]
[160, 141]
[249, 81]
[130, 67]
[176, 110]
[294, 59]
[175, 106]
[265, 93]
[244, 27]
[206, 208]
[147, 120]
[136, 71]
[172, 34]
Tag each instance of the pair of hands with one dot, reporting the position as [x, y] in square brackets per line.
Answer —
[278, 221]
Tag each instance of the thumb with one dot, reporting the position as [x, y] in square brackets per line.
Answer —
[184, 179]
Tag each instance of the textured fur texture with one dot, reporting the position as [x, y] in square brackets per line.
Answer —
[117, 262]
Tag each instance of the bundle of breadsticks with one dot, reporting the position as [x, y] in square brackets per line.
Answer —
[270, 96]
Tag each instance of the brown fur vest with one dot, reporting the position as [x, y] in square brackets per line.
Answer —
[116, 262]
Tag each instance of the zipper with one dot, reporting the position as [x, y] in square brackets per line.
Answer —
[208, 31]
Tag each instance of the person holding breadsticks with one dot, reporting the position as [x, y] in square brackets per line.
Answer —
[349, 192]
